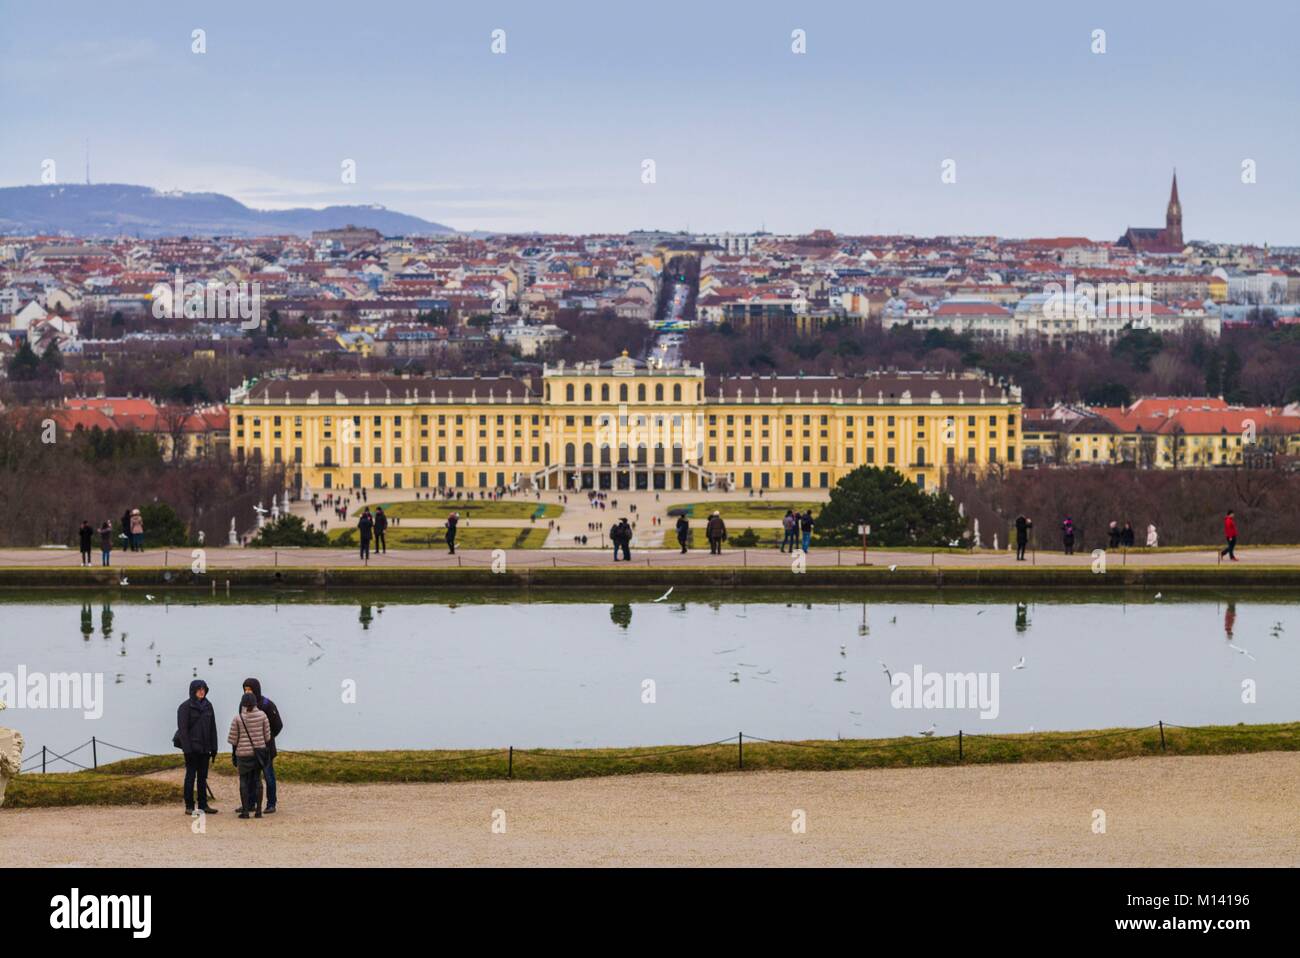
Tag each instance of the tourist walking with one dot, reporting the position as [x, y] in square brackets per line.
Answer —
[1230, 534]
[806, 529]
[1067, 535]
[86, 535]
[452, 521]
[196, 737]
[250, 734]
[1023, 525]
[105, 541]
[272, 713]
[716, 533]
[137, 531]
[789, 527]
[365, 525]
[683, 532]
[381, 524]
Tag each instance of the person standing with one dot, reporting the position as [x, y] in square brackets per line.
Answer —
[381, 524]
[137, 531]
[365, 525]
[452, 521]
[86, 534]
[1114, 534]
[716, 533]
[625, 539]
[806, 528]
[250, 733]
[788, 526]
[126, 528]
[196, 737]
[1127, 538]
[1067, 535]
[683, 532]
[1230, 534]
[1023, 525]
[105, 541]
[272, 712]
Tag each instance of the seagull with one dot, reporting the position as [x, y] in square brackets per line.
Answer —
[1241, 651]
[765, 672]
[927, 733]
[839, 676]
[118, 679]
[725, 651]
[123, 581]
[735, 676]
[665, 595]
[885, 668]
[151, 645]
[1160, 595]
[843, 651]
[851, 712]
[148, 597]
[157, 660]
[892, 568]
[314, 642]
[980, 612]
[314, 659]
[893, 620]
[209, 660]
[1020, 664]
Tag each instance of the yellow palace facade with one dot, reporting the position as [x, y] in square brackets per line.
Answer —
[621, 424]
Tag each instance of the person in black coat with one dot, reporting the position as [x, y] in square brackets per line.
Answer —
[381, 524]
[1023, 525]
[683, 532]
[364, 526]
[277, 723]
[86, 534]
[196, 736]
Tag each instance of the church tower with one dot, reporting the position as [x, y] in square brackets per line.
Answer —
[1174, 217]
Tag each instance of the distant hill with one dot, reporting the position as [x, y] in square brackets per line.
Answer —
[114, 209]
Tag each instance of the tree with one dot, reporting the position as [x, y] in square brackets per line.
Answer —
[899, 513]
[162, 526]
[25, 365]
[1108, 394]
[290, 530]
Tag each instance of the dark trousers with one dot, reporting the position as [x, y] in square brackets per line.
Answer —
[1230, 550]
[250, 784]
[85, 556]
[451, 545]
[365, 548]
[379, 542]
[715, 547]
[1020, 549]
[681, 541]
[268, 772]
[789, 540]
[1069, 545]
[104, 553]
[196, 774]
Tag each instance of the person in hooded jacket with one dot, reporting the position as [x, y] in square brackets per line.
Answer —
[196, 737]
[254, 687]
[250, 734]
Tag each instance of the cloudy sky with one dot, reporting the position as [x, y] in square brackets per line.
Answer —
[1047, 137]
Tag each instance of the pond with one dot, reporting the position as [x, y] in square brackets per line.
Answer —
[406, 670]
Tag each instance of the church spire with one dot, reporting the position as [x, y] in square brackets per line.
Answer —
[1174, 216]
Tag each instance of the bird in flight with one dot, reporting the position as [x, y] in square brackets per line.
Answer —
[666, 594]
[1020, 664]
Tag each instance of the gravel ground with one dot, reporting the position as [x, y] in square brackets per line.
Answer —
[1212, 811]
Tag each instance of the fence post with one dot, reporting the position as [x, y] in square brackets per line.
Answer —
[1162, 735]
[510, 763]
[42, 759]
[959, 745]
[94, 752]
[740, 752]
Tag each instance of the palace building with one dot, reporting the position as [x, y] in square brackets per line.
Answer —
[623, 424]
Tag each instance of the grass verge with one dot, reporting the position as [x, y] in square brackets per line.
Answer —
[474, 508]
[121, 783]
[483, 537]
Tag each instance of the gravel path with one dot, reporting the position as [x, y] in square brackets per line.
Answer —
[1213, 811]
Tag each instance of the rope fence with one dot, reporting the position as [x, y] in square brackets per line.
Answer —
[45, 757]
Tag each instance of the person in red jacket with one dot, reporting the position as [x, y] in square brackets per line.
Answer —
[1229, 533]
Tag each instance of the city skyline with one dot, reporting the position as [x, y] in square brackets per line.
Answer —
[1048, 138]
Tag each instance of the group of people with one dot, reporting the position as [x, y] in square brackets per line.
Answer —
[620, 534]
[372, 526]
[252, 736]
[132, 533]
[1119, 536]
[797, 530]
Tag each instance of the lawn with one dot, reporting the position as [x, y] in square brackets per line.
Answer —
[474, 508]
[120, 784]
[746, 509]
[478, 537]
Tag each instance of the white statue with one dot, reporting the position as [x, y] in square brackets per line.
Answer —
[995, 542]
[261, 514]
[201, 537]
[1153, 540]
[11, 756]
[977, 533]
[234, 536]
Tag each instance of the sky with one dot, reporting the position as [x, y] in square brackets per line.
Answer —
[1046, 137]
